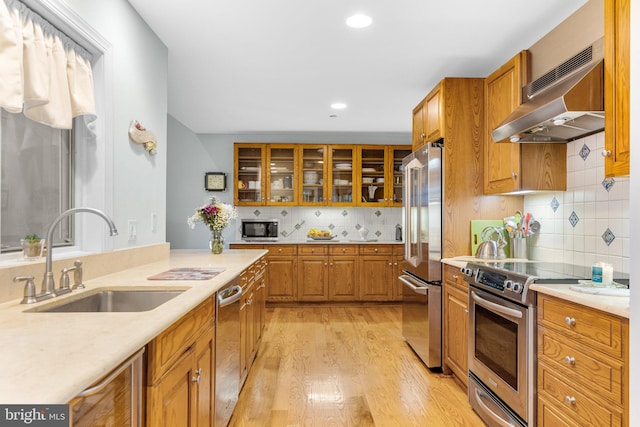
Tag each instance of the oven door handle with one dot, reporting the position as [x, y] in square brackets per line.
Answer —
[407, 280]
[496, 307]
[497, 418]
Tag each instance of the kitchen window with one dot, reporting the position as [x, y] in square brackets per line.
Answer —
[36, 181]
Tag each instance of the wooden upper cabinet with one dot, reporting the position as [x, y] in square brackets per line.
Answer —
[282, 174]
[510, 167]
[428, 119]
[380, 175]
[616, 66]
[312, 187]
[342, 174]
[434, 120]
[418, 137]
[249, 174]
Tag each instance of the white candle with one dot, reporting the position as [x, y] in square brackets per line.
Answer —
[607, 274]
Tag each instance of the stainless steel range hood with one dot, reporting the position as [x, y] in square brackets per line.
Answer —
[565, 104]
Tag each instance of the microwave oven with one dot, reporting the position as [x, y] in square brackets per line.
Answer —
[260, 230]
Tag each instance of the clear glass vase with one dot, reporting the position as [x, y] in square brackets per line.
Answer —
[216, 244]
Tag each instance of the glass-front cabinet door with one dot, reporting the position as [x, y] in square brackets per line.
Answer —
[394, 173]
[249, 174]
[342, 175]
[281, 174]
[372, 180]
[313, 186]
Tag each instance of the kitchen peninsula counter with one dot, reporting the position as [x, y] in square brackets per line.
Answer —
[49, 358]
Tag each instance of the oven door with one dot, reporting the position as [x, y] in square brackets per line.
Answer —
[500, 348]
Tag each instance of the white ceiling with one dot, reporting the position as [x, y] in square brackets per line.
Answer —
[276, 66]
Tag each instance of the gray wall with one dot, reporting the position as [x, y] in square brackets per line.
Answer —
[190, 155]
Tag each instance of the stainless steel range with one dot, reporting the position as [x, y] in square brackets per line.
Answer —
[502, 336]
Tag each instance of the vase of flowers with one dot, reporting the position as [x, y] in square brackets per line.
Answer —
[216, 216]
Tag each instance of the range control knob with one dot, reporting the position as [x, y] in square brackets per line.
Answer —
[508, 284]
[517, 288]
[466, 271]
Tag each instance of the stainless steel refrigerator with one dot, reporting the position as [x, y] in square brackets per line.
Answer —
[422, 291]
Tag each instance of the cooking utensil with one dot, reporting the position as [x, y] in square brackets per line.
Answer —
[527, 219]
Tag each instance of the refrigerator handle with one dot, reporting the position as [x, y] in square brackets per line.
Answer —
[422, 290]
[409, 256]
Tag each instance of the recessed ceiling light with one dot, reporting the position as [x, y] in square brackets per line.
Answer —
[338, 106]
[359, 21]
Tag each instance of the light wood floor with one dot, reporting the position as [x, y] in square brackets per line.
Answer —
[345, 366]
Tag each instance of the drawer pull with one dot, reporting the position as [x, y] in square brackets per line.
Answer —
[375, 249]
[570, 360]
[570, 321]
[570, 400]
[454, 277]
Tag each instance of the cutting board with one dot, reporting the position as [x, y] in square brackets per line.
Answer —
[477, 225]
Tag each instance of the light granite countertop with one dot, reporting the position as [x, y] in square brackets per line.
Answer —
[617, 305]
[322, 242]
[49, 358]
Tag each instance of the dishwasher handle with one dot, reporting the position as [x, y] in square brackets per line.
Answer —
[229, 295]
[413, 285]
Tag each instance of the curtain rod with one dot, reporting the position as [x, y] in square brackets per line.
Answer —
[47, 27]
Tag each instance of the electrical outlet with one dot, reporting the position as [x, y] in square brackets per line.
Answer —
[132, 227]
[154, 222]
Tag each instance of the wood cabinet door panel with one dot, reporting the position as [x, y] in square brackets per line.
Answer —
[205, 371]
[375, 278]
[171, 401]
[282, 275]
[312, 278]
[418, 136]
[617, 87]
[456, 330]
[503, 96]
[343, 278]
[434, 129]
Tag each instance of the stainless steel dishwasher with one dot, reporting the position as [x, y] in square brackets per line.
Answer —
[227, 351]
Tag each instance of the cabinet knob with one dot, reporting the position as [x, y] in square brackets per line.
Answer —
[570, 400]
[375, 249]
[313, 250]
[423, 135]
[390, 264]
[344, 250]
[196, 378]
[395, 263]
[570, 360]
[280, 250]
[514, 175]
[606, 153]
[570, 321]
[325, 264]
[330, 264]
[454, 277]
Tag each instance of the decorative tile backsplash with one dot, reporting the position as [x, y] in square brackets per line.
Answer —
[295, 221]
[590, 221]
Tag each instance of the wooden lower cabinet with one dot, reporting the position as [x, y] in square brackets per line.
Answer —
[455, 302]
[313, 278]
[252, 315]
[183, 396]
[376, 278]
[331, 273]
[583, 359]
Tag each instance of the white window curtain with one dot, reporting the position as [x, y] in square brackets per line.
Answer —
[43, 73]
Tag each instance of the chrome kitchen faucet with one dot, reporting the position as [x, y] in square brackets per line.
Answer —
[48, 284]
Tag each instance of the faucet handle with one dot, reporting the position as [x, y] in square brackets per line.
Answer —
[29, 289]
[64, 281]
[77, 275]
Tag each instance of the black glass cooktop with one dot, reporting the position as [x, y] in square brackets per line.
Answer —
[553, 272]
